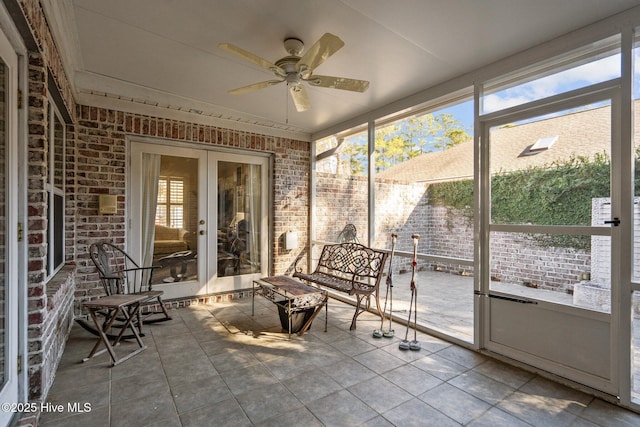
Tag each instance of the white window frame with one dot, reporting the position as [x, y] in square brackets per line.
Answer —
[53, 190]
[168, 204]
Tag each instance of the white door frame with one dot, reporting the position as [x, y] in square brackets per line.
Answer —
[14, 389]
[600, 370]
[208, 281]
[230, 283]
[134, 237]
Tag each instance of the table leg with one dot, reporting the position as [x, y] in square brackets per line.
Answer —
[313, 316]
[103, 336]
[289, 315]
[129, 314]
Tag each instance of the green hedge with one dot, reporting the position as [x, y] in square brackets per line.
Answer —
[558, 194]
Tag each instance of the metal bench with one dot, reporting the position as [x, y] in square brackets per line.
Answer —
[351, 268]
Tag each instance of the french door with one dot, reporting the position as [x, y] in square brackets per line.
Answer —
[8, 228]
[549, 289]
[200, 216]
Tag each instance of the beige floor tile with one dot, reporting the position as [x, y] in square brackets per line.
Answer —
[218, 365]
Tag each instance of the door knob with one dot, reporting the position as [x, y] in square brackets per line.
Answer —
[202, 232]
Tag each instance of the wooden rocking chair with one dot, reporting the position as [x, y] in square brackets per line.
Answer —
[120, 274]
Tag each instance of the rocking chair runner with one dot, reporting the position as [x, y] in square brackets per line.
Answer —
[120, 274]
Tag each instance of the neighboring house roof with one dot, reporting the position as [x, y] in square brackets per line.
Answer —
[583, 133]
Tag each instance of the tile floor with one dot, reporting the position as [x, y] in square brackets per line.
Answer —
[216, 365]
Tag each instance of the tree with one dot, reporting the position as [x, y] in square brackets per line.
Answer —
[406, 139]
[401, 141]
[434, 133]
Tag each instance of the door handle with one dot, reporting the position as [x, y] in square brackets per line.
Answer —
[615, 222]
[512, 299]
[202, 232]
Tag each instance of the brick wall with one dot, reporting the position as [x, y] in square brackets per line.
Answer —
[95, 164]
[49, 302]
[403, 209]
[101, 160]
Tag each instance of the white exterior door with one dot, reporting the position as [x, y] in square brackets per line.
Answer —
[209, 217]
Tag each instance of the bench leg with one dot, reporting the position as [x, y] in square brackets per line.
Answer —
[378, 306]
[359, 309]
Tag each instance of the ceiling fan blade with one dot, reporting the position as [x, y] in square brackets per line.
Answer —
[238, 51]
[326, 46]
[254, 86]
[338, 83]
[300, 98]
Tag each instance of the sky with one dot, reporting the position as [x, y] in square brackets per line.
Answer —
[584, 75]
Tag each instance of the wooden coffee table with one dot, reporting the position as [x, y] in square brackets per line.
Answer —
[293, 295]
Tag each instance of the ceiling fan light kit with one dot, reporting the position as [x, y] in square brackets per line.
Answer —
[295, 69]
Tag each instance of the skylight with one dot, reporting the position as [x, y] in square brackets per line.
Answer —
[543, 143]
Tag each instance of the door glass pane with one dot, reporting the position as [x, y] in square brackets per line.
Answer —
[175, 247]
[239, 218]
[565, 269]
[3, 216]
[552, 170]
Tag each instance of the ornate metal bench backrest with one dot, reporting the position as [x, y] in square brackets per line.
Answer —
[351, 261]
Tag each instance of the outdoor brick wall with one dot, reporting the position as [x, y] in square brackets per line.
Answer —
[37, 22]
[101, 160]
[516, 259]
[95, 164]
[340, 201]
[49, 303]
[601, 245]
[403, 209]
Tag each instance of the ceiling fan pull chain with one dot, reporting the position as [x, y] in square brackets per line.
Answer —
[286, 105]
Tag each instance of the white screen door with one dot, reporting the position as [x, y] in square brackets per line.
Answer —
[549, 237]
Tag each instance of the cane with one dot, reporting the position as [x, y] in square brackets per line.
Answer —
[389, 332]
[378, 333]
[405, 344]
[415, 345]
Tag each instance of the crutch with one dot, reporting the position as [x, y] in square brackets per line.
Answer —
[406, 344]
[378, 333]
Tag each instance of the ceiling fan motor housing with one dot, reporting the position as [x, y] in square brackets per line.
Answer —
[293, 46]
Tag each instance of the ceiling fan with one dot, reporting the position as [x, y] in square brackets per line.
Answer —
[294, 69]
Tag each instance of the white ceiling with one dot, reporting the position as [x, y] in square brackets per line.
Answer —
[165, 51]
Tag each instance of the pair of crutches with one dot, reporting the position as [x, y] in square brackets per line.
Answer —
[389, 333]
